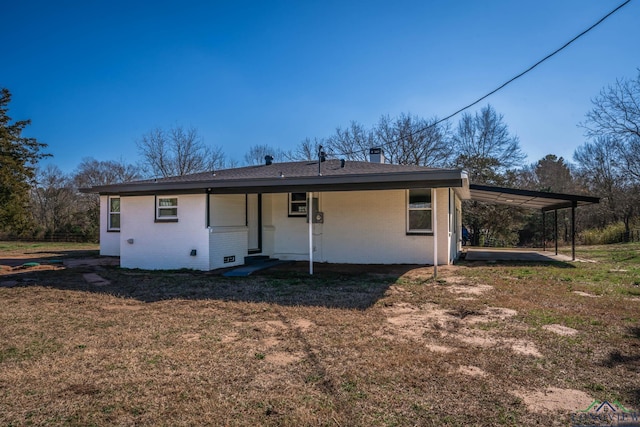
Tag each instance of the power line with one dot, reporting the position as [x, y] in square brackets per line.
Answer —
[502, 86]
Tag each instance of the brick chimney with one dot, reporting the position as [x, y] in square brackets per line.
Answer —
[376, 155]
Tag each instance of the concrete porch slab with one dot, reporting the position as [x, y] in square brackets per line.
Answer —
[522, 255]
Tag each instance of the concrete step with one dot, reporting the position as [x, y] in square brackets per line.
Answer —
[247, 270]
[254, 259]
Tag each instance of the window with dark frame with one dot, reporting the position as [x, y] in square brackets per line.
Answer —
[419, 212]
[298, 204]
[114, 214]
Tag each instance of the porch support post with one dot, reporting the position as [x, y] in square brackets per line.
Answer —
[555, 228]
[310, 219]
[434, 215]
[544, 231]
[573, 230]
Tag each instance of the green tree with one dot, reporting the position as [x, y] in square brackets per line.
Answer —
[19, 157]
[552, 174]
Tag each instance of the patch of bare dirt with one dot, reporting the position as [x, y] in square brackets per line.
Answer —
[268, 343]
[584, 294]
[270, 326]
[560, 329]
[283, 358]
[123, 307]
[472, 371]
[421, 323]
[554, 399]
[191, 337]
[397, 290]
[462, 285]
[485, 339]
[230, 337]
[303, 324]
[472, 289]
[524, 347]
[8, 270]
[490, 314]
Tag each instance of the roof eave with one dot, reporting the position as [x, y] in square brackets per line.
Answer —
[396, 180]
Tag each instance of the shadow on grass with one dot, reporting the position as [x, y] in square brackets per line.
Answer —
[332, 286]
[630, 361]
[48, 256]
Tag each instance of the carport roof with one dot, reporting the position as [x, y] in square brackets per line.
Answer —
[545, 201]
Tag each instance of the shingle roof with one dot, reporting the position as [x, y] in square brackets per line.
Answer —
[296, 170]
[296, 176]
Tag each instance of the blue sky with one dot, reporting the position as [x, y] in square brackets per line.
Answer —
[94, 76]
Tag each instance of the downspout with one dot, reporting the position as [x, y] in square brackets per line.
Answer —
[434, 210]
[310, 219]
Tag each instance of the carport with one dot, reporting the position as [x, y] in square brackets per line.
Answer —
[545, 201]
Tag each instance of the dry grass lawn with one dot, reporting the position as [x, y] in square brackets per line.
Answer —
[485, 344]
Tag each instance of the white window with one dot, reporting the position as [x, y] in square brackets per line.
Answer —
[297, 204]
[114, 214]
[167, 209]
[419, 212]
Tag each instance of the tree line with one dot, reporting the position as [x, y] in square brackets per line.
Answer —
[43, 201]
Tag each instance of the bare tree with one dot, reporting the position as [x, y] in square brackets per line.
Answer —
[308, 149]
[412, 140]
[351, 143]
[92, 172]
[616, 114]
[257, 153]
[485, 148]
[603, 171]
[177, 152]
[53, 200]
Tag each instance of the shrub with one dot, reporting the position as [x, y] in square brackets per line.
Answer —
[612, 233]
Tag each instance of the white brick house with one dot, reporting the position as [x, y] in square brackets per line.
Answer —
[363, 212]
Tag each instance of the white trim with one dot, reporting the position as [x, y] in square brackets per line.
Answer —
[159, 208]
[110, 212]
